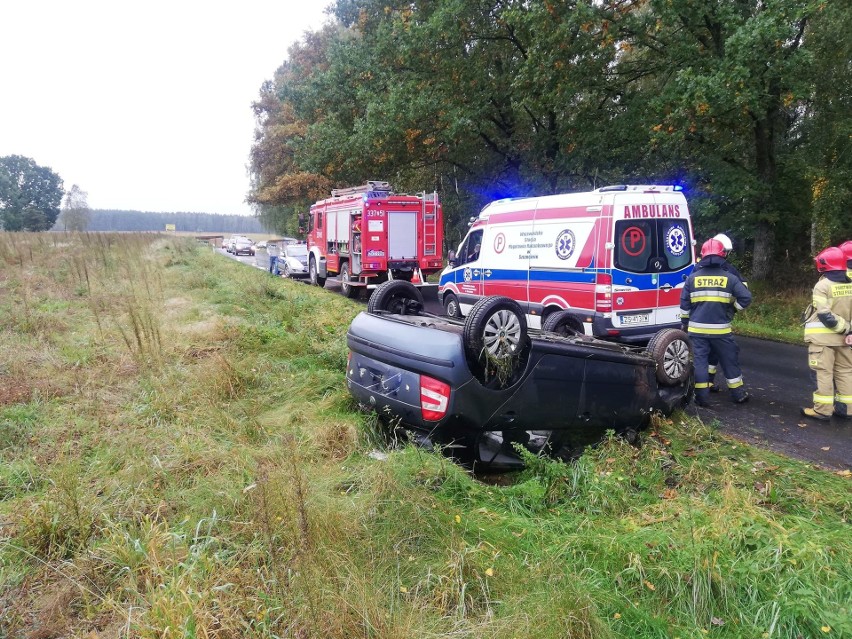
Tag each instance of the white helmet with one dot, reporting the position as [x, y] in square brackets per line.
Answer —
[726, 242]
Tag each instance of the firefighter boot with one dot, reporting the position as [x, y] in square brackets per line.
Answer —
[740, 398]
[810, 413]
[702, 397]
[711, 373]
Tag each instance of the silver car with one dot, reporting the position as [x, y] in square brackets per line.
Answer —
[293, 261]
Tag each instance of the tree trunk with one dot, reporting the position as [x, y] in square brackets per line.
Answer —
[764, 240]
[764, 235]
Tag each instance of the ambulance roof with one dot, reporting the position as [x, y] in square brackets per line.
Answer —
[566, 200]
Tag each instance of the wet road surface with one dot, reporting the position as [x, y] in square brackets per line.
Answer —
[777, 378]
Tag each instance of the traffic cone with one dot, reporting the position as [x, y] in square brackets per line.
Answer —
[415, 278]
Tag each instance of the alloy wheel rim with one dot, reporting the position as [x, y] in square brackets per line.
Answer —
[502, 334]
[676, 358]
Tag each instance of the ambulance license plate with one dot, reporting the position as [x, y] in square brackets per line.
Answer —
[635, 319]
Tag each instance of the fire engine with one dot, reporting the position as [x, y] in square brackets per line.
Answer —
[366, 235]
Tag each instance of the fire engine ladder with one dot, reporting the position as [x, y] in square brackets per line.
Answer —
[430, 223]
[371, 185]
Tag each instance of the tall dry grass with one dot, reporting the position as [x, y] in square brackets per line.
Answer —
[179, 458]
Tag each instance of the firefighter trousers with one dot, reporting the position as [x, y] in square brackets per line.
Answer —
[727, 352]
[833, 368]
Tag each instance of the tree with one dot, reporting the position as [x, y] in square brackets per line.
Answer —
[281, 187]
[745, 102]
[729, 79]
[29, 195]
[827, 132]
[75, 215]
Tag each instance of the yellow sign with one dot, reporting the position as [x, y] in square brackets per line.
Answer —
[711, 281]
[170, 227]
[841, 290]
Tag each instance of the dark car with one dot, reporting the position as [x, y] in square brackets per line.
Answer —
[243, 245]
[487, 384]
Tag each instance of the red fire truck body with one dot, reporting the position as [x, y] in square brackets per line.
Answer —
[367, 234]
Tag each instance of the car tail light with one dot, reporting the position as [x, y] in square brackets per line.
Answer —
[603, 293]
[434, 398]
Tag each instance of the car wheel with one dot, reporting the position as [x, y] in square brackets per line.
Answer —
[346, 282]
[562, 323]
[286, 270]
[451, 306]
[316, 280]
[396, 296]
[672, 352]
[496, 340]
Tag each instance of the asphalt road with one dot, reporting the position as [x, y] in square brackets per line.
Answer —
[778, 379]
[779, 382]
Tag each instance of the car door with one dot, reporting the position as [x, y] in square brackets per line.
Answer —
[467, 275]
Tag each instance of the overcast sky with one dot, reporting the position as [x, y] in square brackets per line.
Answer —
[144, 105]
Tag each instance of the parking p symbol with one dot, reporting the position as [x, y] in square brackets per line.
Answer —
[633, 241]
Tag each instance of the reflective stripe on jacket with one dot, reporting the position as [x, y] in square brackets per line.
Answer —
[830, 320]
[710, 296]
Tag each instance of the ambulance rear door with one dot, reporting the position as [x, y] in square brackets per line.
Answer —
[635, 264]
[652, 255]
[675, 253]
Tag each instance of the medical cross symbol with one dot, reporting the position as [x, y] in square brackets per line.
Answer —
[676, 240]
[565, 244]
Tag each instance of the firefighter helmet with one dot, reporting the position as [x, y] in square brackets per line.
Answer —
[713, 247]
[726, 242]
[846, 247]
[830, 259]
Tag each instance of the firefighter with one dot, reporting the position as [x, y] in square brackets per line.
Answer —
[707, 303]
[846, 247]
[827, 329]
[712, 360]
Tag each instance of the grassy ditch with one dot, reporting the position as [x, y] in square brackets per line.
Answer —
[179, 458]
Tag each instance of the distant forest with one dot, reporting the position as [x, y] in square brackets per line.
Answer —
[108, 220]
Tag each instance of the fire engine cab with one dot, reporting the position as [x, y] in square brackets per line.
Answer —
[366, 235]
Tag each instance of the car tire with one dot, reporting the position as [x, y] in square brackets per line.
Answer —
[316, 280]
[562, 323]
[451, 306]
[395, 296]
[496, 340]
[672, 351]
[346, 282]
[286, 272]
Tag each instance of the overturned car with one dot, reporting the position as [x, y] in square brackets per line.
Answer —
[485, 385]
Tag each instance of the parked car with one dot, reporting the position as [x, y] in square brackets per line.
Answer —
[293, 261]
[487, 384]
[243, 246]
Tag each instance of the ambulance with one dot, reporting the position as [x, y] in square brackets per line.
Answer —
[609, 263]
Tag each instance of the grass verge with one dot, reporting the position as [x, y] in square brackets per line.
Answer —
[775, 313]
[179, 458]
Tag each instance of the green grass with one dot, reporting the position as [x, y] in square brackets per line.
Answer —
[775, 313]
[179, 458]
